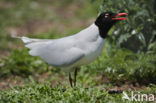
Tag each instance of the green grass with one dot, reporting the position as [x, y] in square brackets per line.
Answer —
[45, 93]
[90, 85]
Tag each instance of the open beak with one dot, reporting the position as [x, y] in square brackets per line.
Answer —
[116, 17]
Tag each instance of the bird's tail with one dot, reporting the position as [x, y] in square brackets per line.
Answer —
[34, 45]
[26, 40]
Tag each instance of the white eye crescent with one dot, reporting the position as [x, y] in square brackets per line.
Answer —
[106, 15]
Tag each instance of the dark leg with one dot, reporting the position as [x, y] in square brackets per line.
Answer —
[75, 74]
[70, 80]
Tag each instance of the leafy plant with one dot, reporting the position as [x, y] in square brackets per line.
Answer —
[123, 65]
[138, 33]
[22, 64]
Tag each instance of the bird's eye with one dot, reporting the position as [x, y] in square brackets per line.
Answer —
[106, 15]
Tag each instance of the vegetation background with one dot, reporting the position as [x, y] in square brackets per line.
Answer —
[128, 62]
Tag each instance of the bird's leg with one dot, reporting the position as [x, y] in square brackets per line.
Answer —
[70, 80]
[75, 75]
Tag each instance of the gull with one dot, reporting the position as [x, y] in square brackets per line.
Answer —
[75, 50]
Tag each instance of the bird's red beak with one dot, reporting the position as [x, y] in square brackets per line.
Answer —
[120, 18]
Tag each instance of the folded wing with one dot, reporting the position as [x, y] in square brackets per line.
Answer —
[58, 52]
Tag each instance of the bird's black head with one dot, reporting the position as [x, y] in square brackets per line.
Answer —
[106, 20]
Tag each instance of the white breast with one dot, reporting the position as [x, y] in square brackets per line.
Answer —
[92, 44]
[93, 51]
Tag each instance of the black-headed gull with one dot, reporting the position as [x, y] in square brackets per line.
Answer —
[78, 49]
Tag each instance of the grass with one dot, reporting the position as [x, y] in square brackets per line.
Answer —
[45, 93]
[95, 81]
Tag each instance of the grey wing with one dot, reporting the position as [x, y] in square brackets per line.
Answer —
[58, 53]
[62, 58]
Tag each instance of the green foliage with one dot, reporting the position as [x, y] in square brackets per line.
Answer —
[22, 64]
[138, 32]
[125, 66]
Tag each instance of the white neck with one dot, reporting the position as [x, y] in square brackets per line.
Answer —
[90, 32]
